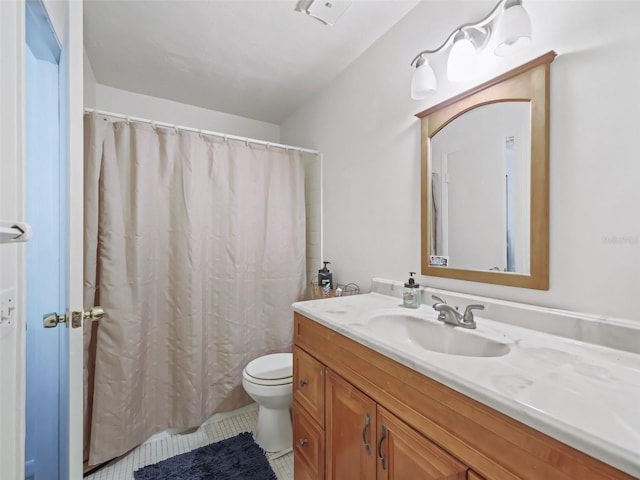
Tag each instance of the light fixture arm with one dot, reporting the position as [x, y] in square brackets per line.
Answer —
[482, 26]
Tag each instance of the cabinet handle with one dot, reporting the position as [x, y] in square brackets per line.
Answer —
[367, 421]
[303, 383]
[302, 442]
[383, 435]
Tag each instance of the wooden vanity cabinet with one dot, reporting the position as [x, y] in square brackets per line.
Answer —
[347, 396]
[342, 434]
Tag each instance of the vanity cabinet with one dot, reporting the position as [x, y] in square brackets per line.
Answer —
[342, 434]
[362, 440]
[359, 415]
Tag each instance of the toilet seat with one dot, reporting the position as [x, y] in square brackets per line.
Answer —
[273, 369]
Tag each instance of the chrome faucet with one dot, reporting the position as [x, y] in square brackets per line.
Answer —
[451, 315]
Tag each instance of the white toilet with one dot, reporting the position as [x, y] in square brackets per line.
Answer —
[268, 380]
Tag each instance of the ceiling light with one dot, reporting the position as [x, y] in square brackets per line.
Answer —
[513, 30]
[327, 11]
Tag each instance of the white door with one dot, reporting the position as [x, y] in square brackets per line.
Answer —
[66, 19]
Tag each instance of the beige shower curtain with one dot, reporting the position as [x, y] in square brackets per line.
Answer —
[195, 247]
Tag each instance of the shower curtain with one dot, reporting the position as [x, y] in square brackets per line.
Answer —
[195, 247]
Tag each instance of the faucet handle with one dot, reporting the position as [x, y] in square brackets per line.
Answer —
[438, 299]
[468, 312]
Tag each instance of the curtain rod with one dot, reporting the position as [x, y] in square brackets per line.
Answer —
[129, 118]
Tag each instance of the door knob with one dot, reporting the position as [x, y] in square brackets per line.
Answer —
[51, 320]
[95, 314]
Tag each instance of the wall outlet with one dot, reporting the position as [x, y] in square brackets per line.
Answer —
[7, 306]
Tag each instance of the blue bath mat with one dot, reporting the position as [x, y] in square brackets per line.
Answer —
[235, 458]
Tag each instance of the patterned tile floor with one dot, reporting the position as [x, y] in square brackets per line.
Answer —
[217, 428]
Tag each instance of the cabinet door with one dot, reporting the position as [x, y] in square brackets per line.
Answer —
[405, 454]
[349, 431]
[308, 384]
[308, 446]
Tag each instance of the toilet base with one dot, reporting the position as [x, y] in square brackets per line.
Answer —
[275, 431]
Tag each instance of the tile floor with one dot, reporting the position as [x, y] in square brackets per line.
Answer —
[216, 428]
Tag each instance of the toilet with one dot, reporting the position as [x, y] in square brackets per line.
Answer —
[269, 380]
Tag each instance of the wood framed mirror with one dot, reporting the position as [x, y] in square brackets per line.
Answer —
[485, 181]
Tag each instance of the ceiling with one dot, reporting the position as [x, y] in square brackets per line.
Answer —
[258, 59]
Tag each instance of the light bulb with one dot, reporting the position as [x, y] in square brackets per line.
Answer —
[513, 31]
[463, 61]
[423, 80]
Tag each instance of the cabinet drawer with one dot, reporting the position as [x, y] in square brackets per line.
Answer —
[308, 384]
[308, 446]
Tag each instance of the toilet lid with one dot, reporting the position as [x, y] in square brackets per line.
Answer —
[271, 367]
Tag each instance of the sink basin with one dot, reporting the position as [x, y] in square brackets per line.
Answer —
[402, 328]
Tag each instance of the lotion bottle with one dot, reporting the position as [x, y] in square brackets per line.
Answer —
[411, 293]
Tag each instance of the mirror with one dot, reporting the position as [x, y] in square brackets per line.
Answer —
[485, 187]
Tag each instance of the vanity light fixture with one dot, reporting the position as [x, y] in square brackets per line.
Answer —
[511, 26]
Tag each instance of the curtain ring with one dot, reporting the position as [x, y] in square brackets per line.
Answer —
[246, 142]
[128, 119]
[153, 124]
[225, 138]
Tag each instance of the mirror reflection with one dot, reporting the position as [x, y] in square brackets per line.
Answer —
[480, 189]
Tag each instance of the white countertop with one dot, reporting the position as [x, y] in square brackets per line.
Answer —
[582, 394]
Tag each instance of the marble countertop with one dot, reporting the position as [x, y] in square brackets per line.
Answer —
[582, 394]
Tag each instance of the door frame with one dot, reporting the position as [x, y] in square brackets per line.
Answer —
[73, 45]
[66, 19]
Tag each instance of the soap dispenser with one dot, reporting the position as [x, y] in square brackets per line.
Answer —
[325, 278]
[411, 293]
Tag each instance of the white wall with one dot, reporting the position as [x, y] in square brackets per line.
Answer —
[364, 123]
[133, 104]
[90, 84]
